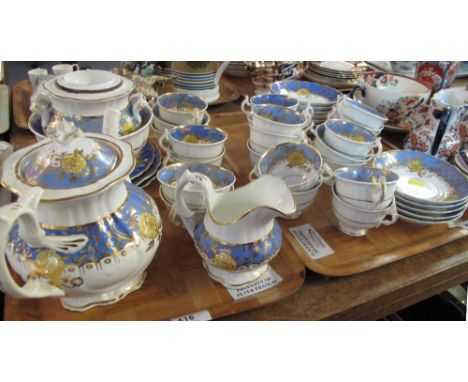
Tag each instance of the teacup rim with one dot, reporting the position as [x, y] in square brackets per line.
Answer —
[371, 168]
[366, 143]
[178, 93]
[286, 109]
[429, 89]
[177, 127]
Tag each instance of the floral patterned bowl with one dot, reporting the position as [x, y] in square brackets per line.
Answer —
[391, 94]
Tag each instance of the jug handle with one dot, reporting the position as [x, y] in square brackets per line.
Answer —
[220, 71]
[111, 123]
[25, 212]
[192, 177]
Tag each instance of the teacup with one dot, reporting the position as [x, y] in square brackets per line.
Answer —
[391, 94]
[60, 69]
[298, 164]
[335, 114]
[269, 99]
[361, 114]
[355, 221]
[36, 76]
[334, 155]
[181, 108]
[304, 199]
[171, 157]
[223, 181]
[160, 125]
[280, 120]
[267, 139]
[366, 187]
[350, 138]
[194, 141]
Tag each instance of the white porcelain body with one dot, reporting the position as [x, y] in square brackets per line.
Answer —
[60, 69]
[207, 95]
[361, 116]
[260, 138]
[171, 157]
[191, 150]
[254, 155]
[264, 124]
[355, 221]
[349, 146]
[181, 117]
[160, 125]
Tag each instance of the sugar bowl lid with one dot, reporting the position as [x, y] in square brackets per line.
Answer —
[68, 164]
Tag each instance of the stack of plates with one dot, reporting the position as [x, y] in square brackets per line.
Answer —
[429, 191]
[237, 69]
[322, 98]
[146, 167]
[265, 73]
[338, 74]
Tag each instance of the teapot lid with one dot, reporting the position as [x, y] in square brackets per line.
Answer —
[68, 164]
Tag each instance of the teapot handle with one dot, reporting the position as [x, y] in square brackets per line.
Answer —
[25, 212]
[192, 177]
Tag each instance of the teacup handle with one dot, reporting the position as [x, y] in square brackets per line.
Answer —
[246, 103]
[166, 159]
[327, 174]
[355, 89]
[138, 102]
[75, 67]
[382, 189]
[164, 141]
[377, 144]
[393, 216]
[253, 174]
[25, 212]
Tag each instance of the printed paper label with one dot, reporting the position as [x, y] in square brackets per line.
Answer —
[311, 241]
[267, 281]
[203, 315]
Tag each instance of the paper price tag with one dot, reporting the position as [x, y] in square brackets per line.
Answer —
[202, 315]
[311, 241]
[267, 281]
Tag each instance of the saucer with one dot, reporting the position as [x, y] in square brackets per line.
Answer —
[145, 159]
[146, 178]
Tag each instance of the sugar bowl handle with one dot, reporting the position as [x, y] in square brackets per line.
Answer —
[25, 212]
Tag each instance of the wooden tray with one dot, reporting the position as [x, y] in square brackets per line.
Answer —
[21, 93]
[352, 255]
[176, 283]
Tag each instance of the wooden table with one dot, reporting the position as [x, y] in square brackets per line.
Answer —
[369, 295]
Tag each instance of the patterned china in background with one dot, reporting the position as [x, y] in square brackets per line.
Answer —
[437, 74]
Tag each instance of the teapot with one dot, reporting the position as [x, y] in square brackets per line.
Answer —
[200, 78]
[84, 97]
[238, 235]
[79, 230]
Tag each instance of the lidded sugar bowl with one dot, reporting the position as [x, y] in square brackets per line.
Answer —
[79, 230]
[86, 97]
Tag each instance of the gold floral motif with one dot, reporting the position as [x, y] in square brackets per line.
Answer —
[149, 226]
[190, 138]
[223, 260]
[374, 179]
[416, 182]
[303, 92]
[296, 159]
[73, 163]
[127, 128]
[416, 166]
[49, 265]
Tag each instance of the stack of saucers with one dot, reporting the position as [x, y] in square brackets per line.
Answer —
[147, 164]
[345, 144]
[168, 176]
[338, 74]
[356, 112]
[237, 69]
[193, 144]
[271, 125]
[174, 109]
[300, 166]
[363, 198]
[265, 73]
[429, 191]
[320, 97]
